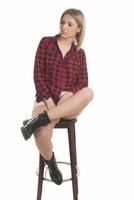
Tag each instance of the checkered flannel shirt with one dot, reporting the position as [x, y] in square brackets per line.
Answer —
[54, 74]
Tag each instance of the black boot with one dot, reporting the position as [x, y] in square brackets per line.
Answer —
[54, 172]
[29, 126]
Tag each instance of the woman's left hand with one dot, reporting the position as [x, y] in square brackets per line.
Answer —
[50, 103]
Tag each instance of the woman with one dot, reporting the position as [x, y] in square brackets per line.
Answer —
[61, 82]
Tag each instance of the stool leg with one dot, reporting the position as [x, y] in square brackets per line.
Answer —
[40, 178]
[73, 159]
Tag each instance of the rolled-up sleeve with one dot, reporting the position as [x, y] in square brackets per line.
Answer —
[39, 72]
[82, 75]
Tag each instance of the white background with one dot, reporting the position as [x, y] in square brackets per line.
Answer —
[105, 130]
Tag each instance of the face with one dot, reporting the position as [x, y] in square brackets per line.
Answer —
[68, 27]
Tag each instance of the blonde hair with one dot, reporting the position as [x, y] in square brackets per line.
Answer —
[80, 19]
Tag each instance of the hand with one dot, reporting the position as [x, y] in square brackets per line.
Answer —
[50, 103]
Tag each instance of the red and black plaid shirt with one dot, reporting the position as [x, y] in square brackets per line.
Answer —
[54, 74]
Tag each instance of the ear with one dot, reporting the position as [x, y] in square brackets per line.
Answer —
[79, 29]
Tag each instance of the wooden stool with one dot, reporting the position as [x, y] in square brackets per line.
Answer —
[70, 126]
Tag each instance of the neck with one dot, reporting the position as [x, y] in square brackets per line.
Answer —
[66, 41]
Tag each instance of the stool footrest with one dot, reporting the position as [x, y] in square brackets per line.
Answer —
[59, 162]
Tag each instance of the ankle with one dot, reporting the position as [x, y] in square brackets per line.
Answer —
[48, 157]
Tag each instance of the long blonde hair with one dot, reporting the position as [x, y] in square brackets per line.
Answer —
[80, 19]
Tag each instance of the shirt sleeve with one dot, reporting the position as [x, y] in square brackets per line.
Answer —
[39, 72]
[82, 77]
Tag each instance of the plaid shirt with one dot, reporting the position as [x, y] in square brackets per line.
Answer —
[54, 74]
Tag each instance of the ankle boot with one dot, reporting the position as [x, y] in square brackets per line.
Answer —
[29, 126]
[54, 172]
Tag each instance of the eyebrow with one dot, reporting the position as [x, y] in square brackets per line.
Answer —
[67, 21]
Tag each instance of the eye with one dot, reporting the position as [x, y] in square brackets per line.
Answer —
[70, 24]
[62, 22]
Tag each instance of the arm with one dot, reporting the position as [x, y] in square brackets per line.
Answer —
[82, 76]
[39, 72]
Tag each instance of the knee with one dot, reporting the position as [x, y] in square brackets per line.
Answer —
[88, 94]
[42, 135]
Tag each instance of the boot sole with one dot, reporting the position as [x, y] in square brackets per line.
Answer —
[25, 134]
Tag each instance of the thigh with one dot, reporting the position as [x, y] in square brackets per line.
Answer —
[38, 108]
[65, 97]
[73, 116]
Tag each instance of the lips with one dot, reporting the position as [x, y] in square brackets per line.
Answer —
[63, 32]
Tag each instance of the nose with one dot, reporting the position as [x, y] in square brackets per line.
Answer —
[64, 26]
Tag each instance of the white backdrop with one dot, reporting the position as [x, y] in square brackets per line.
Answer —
[104, 130]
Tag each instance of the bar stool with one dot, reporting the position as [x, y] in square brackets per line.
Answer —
[70, 126]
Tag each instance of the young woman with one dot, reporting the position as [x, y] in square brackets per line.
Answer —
[61, 82]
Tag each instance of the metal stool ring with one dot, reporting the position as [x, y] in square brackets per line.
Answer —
[59, 162]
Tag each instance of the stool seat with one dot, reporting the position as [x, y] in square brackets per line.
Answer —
[65, 123]
[68, 124]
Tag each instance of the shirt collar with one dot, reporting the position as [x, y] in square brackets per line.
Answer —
[73, 47]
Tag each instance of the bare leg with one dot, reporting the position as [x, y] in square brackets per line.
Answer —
[44, 134]
[65, 98]
[43, 141]
[68, 107]
[75, 104]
